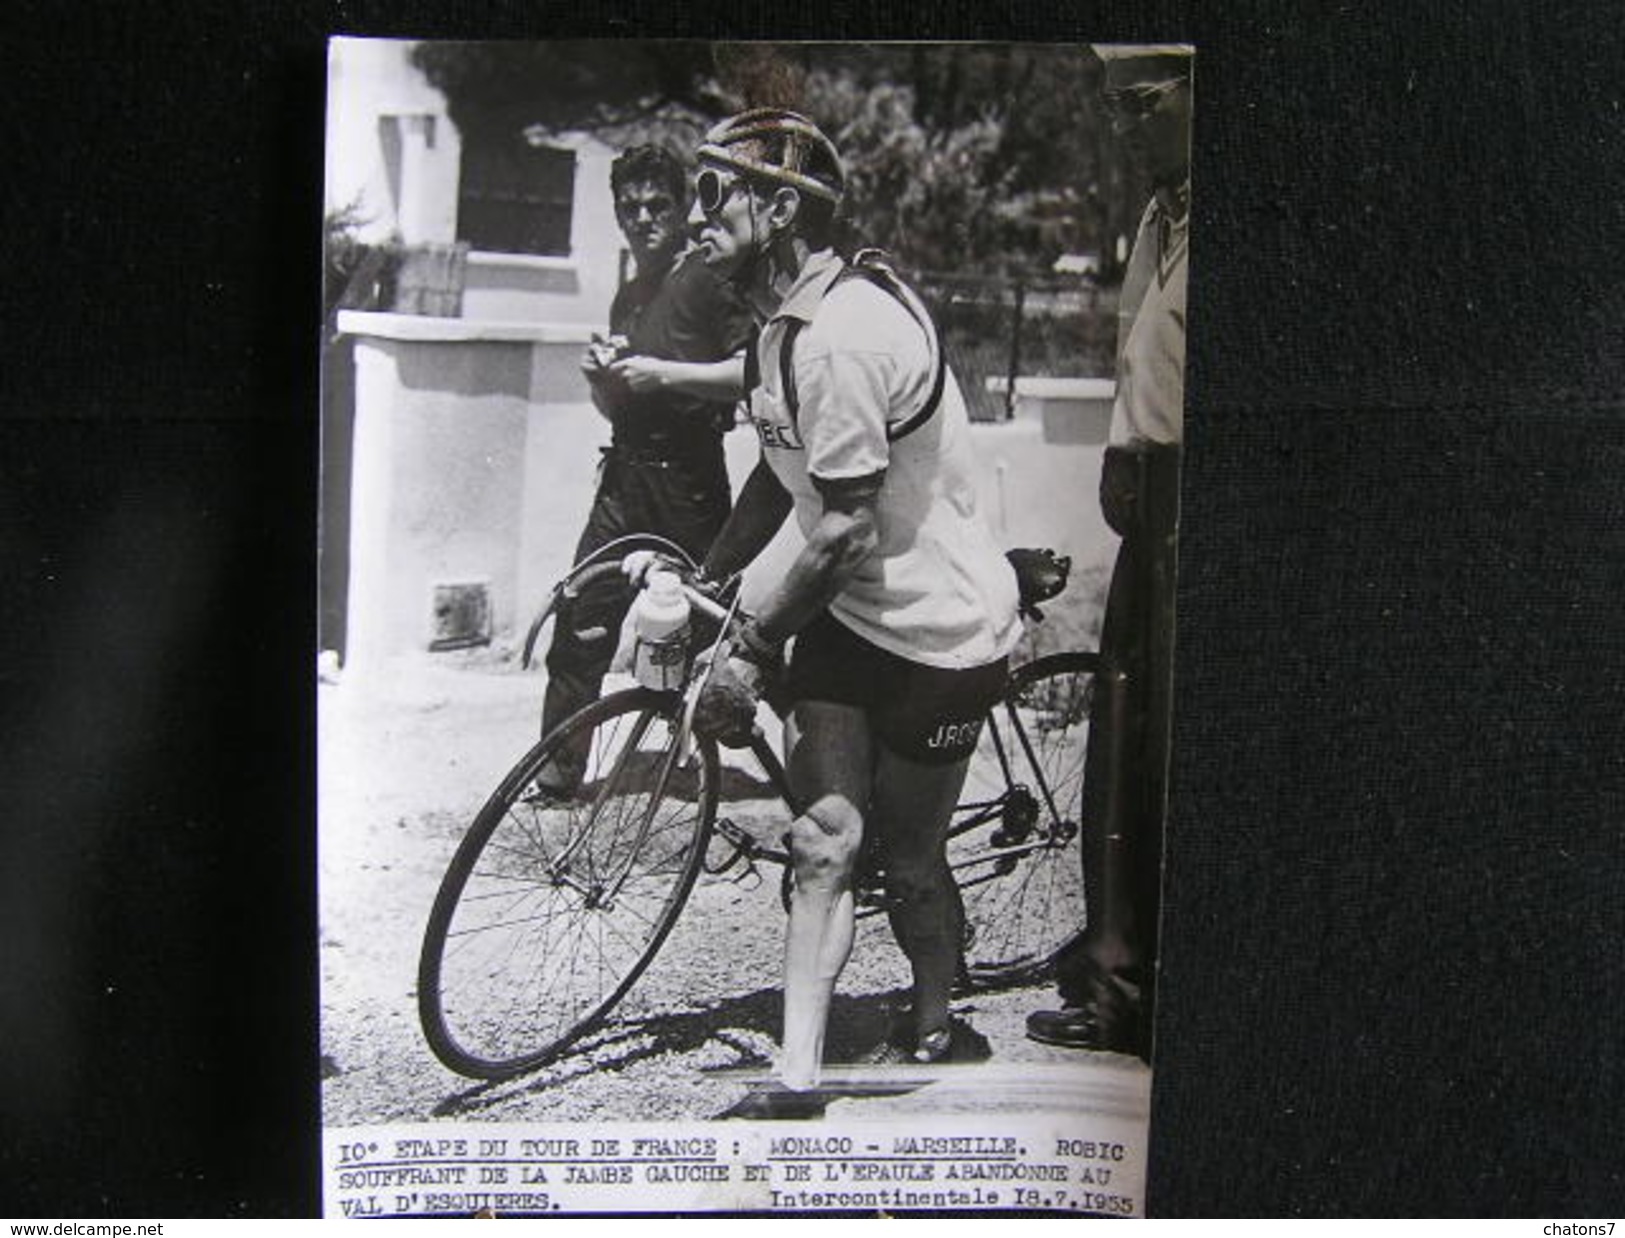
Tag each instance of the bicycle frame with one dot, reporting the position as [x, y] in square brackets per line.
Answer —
[967, 817]
[559, 869]
[480, 1012]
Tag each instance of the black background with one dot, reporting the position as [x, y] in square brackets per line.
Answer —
[1396, 874]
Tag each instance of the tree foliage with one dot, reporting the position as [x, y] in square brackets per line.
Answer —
[576, 85]
[970, 158]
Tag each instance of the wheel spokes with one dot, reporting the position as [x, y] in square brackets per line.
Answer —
[566, 901]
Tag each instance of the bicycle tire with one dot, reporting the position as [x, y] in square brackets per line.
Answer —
[1023, 894]
[551, 909]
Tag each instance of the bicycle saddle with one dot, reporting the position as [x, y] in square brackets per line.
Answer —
[1040, 575]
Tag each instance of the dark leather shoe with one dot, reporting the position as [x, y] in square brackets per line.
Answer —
[958, 1042]
[908, 1050]
[1087, 1027]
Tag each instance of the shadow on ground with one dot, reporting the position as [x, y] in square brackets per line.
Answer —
[860, 1028]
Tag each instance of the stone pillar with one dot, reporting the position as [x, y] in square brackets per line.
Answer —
[450, 422]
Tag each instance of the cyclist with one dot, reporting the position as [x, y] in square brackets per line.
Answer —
[902, 607]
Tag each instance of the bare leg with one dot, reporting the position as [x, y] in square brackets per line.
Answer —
[830, 769]
[913, 804]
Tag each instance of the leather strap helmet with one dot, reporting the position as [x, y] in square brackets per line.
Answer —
[780, 146]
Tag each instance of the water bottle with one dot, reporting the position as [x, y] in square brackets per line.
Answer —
[660, 633]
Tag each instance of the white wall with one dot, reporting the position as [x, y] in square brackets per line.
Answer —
[391, 149]
[438, 481]
[476, 457]
[393, 152]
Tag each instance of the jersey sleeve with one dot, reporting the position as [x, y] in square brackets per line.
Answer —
[845, 397]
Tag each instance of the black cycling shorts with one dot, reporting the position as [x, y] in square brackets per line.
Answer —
[923, 713]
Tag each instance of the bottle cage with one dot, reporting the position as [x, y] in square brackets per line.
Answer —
[873, 266]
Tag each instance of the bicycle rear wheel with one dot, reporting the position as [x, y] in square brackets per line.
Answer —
[1015, 845]
[553, 906]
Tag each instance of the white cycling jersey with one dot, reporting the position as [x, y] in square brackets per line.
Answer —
[938, 589]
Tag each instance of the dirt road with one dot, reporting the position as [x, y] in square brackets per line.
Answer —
[404, 765]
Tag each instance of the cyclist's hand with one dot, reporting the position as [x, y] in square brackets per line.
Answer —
[640, 563]
[726, 708]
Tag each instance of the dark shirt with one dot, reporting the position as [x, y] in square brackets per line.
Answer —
[687, 314]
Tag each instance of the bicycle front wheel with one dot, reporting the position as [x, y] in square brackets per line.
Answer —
[1015, 845]
[554, 905]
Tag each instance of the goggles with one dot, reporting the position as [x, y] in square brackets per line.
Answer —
[712, 189]
[1138, 102]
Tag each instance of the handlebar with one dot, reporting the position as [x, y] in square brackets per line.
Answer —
[705, 604]
[1040, 576]
[595, 568]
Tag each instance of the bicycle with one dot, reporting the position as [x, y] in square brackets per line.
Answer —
[551, 908]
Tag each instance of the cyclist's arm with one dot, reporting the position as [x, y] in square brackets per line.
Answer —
[843, 539]
[761, 509]
[722, 381]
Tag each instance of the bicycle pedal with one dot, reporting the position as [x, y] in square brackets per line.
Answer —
[742, 853]
[741, 840]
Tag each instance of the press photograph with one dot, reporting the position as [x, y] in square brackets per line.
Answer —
[750, 486]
